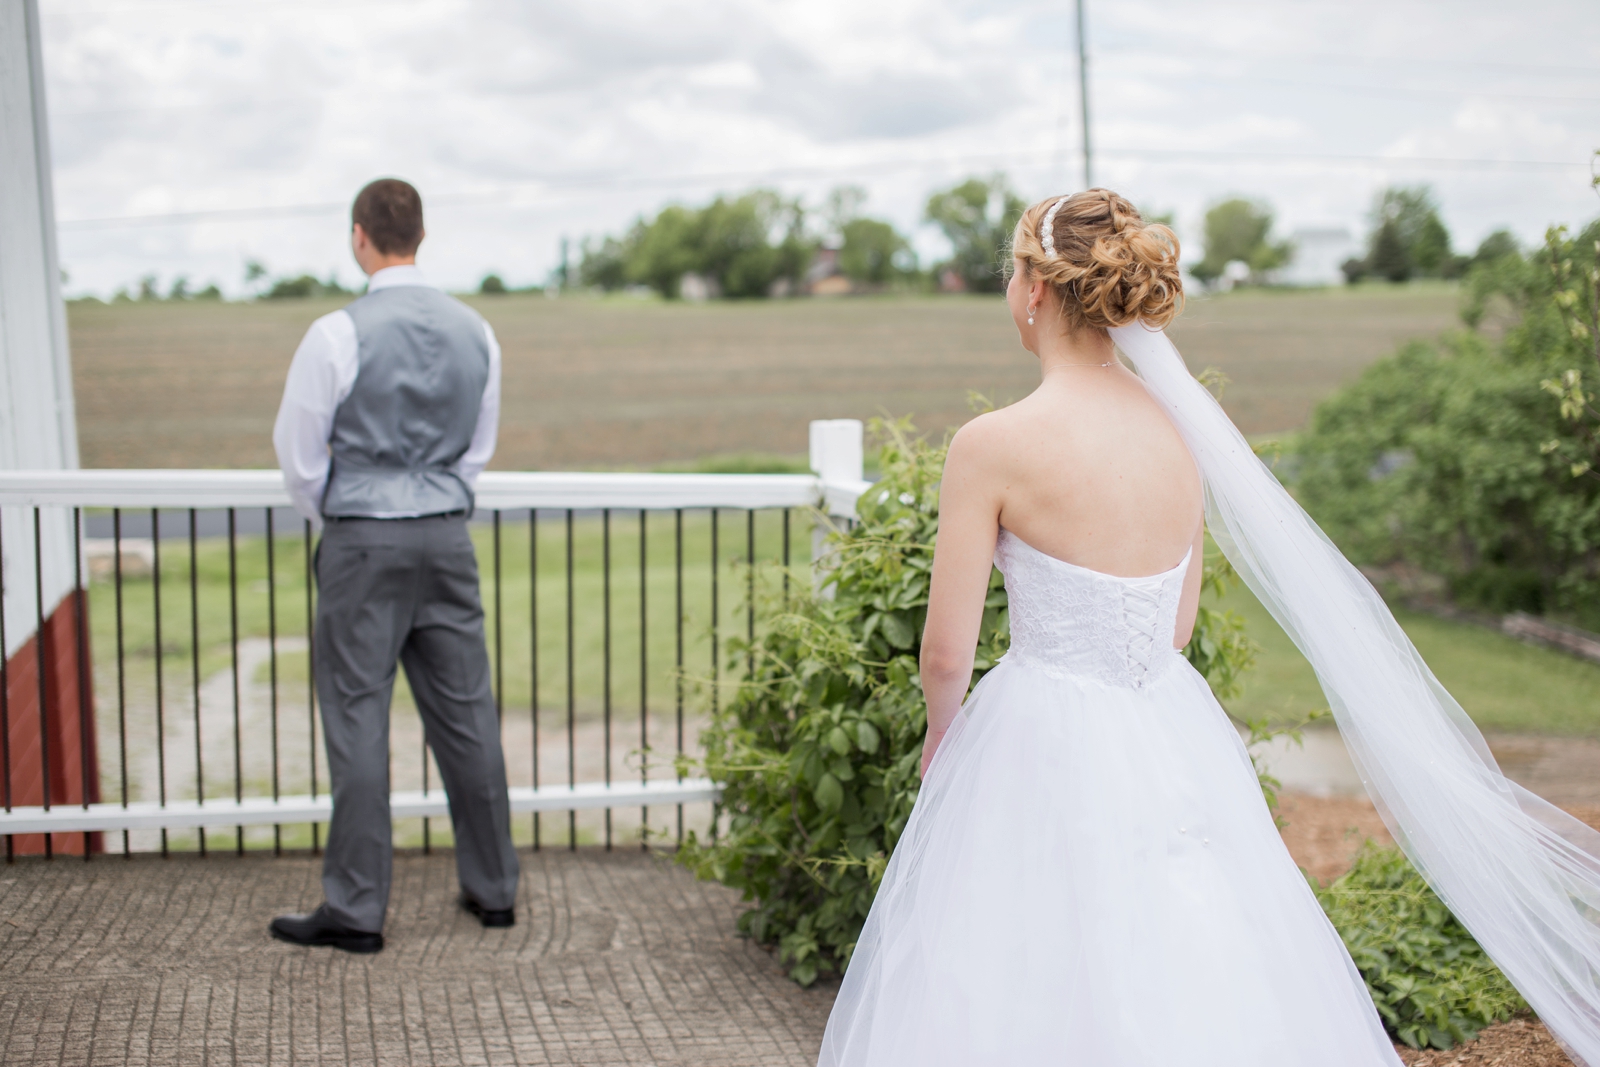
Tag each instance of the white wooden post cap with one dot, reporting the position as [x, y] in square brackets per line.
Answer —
[836, 450]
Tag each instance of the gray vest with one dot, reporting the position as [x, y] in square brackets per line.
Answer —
[409, 418]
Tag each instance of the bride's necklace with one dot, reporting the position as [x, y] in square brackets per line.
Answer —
[1108, 363]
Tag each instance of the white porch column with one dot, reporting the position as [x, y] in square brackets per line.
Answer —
[38, 428]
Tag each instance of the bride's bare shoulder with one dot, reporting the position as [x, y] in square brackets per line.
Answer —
[1008, 433]
[987, 439]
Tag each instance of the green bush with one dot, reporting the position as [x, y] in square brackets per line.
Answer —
[1432, 983]
[819, 749]
[742, 245]
[305, 287]
[1478, 458]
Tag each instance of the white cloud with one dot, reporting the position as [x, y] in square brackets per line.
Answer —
[523, 122]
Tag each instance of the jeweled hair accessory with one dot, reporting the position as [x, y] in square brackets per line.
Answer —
[1047, 228]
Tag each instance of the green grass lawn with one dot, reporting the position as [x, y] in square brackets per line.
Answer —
[1502, 683]
[511, 621]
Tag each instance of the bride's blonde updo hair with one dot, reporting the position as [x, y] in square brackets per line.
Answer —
[1108, 267]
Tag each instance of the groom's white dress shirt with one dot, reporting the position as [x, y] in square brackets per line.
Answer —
[320, 378]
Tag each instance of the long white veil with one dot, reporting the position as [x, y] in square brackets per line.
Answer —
[1520, 874]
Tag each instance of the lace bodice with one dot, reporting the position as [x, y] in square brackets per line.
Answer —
[1069, 620]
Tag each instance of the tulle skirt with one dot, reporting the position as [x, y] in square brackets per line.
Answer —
[1092, 878]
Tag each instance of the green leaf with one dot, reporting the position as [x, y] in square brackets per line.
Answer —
[899, 677]
[829, 794]
[839, 741]
[896, 630]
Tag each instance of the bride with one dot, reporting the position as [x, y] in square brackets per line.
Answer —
[1090, 876]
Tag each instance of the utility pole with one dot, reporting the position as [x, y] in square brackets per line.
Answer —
[1083, 98]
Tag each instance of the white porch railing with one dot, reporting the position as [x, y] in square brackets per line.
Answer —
[836, 452]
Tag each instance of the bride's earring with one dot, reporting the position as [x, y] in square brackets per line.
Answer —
[1030, 316]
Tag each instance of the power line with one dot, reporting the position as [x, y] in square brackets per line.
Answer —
[190, 8]
[1350, 59]
[1341, 158]
[1370, 89]
[1380, 90]
[628, 180]
[242, 104]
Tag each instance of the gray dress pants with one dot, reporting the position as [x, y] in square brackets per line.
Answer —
[406, 590]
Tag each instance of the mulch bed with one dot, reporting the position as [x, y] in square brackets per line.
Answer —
[1518, 1043]
[1323, 835]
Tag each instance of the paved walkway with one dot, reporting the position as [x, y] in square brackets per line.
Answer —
[617, 958]
[1559, 769]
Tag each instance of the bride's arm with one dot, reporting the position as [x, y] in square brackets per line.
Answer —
[1189, 603]
[969, 523]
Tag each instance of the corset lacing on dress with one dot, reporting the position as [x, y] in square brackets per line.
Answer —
[1069, 621]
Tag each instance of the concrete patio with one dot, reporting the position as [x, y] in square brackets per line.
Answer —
[617, 958]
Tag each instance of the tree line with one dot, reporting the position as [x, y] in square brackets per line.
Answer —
[256, 277]
[1406, 239]
[762, 243]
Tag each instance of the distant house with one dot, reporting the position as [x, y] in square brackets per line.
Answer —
[1318, 252]
[823, 277]
[697, 288]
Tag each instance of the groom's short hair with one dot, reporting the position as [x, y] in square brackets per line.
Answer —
[390, 211]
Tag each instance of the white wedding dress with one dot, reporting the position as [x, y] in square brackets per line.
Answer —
[1091, 876]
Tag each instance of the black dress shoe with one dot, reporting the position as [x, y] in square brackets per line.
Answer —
[319, 928]
[489, 916]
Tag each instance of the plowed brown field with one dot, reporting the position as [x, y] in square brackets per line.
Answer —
[621, 381]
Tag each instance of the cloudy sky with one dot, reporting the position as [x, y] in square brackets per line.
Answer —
[190, 136]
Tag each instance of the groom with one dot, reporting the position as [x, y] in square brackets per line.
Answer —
[388, 416]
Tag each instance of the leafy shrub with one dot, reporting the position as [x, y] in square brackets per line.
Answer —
[1432, 983]
[1477, 459]
[1220, 649]
[819, 749]
[742, 245]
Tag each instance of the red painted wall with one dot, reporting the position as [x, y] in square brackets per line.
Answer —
[68, 735]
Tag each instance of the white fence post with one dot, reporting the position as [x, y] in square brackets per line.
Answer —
[837, 452]
[838, 458]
